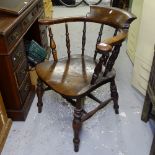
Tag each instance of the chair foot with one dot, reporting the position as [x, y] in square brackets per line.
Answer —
[116, 106]
[77, 124]
[39, 109]
[39, 95]
[76, 127]
[114, 95]
[116, 111]
[76, 145]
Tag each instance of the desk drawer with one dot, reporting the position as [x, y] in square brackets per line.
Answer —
[25, 89]
[23, 26]
[29, 19]
[18, 55]
[21, 72]
[14, 35]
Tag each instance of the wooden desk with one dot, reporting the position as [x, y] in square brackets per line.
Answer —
[15, 84]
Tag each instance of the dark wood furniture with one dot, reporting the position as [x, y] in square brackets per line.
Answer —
[15, 84]
[149, 103]
[77, 76]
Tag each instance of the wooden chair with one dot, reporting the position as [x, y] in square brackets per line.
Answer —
[76, 76]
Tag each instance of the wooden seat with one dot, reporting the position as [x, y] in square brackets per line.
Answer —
[77, 75]
[61, 75]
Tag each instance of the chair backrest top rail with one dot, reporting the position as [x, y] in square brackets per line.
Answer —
[111, 16]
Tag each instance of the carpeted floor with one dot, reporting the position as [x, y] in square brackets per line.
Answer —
[50, 133]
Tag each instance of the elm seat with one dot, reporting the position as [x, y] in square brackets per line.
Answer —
[61, 75]
[76, 76]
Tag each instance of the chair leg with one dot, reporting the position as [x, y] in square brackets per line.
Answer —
[77, 124]
[114, 95]
[39, 95]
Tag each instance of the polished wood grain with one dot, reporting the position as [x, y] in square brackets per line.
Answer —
[73, 69]
[76, 76]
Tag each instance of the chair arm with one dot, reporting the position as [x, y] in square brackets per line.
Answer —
[47, 21]
[103, 48]
[106, 45]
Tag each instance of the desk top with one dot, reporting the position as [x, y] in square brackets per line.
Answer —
[14, 7]
[8, 21]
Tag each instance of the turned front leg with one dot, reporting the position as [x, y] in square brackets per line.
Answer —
[114, 95]
[77, 124]
[39, 95]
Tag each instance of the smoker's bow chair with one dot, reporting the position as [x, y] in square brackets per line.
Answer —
[76, 76]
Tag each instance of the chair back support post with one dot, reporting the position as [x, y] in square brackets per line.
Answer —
[98, 68]
[52, 44]
[98, 39]
[67, 40]
[112, 58]
[84, 38]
